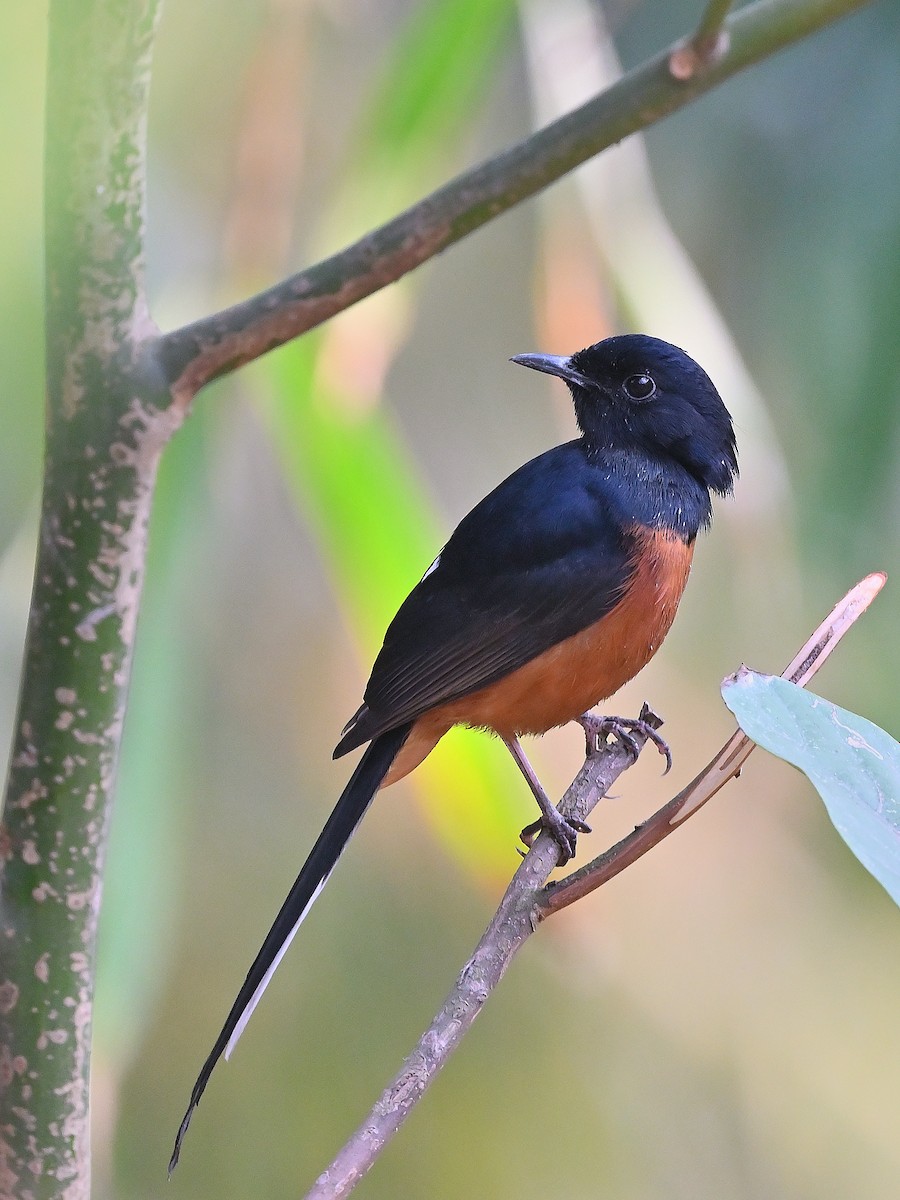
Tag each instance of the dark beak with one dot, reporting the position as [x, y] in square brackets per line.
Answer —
[553, 364]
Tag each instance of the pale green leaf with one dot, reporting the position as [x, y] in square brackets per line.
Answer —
[853, 764]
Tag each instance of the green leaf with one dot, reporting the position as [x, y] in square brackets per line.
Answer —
[437, 71]
[413, 124]
[854, 765]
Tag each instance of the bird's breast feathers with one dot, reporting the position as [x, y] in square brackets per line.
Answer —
[579, 671]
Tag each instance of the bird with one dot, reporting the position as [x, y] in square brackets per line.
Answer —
[553, 592]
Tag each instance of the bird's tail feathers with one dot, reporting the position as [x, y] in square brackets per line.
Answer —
[339, 828]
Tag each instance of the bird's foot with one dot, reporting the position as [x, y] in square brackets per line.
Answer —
[563, 830]
[597, 729]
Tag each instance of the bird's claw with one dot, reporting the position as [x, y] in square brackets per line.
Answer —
[597, 729]
[563, 830]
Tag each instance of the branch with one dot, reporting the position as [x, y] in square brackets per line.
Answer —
[105, 428]
[512, 923]
[712, 21]
[527, 902]
[726, 765]
[213, 346]
[708, 43]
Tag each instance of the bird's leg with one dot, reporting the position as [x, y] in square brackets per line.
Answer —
[597, 729]
[563, 830]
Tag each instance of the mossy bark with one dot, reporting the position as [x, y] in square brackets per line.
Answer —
[107, 421]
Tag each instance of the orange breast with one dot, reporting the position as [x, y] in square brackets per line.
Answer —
[574, 675]
[578, 673]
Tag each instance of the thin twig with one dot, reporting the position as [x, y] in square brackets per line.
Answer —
[193, 356]
[726, 764]
[712, 20]
[709, 43]
[528, 901]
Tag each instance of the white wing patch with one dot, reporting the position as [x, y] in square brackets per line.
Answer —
[431, 570]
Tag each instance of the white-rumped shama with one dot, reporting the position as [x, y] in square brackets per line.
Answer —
[550, 595]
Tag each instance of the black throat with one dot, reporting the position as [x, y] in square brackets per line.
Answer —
[649, 491]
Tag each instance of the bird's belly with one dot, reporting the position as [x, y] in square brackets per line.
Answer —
[575, 674]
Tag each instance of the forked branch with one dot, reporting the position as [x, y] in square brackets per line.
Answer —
[528, 901]
[215, 345]
[708, 43]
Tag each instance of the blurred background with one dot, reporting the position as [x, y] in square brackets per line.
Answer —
[720, 1021]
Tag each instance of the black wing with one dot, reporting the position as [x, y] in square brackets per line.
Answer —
[539, 559]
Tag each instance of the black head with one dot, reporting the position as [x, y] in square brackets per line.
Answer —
[637, 392]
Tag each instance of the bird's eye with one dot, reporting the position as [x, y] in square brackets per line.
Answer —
[639, 387]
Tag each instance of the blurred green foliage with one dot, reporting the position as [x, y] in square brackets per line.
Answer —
[720, 1022]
